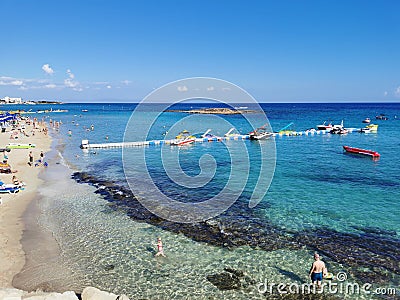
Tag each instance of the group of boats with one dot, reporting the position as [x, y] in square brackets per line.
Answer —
[185, 138]
[340, 129]
[262, 133]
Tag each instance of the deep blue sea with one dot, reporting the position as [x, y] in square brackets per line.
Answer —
[315, 187]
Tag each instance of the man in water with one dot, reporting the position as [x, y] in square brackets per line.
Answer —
[317, 270]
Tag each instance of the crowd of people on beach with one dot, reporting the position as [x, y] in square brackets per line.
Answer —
[20, 128]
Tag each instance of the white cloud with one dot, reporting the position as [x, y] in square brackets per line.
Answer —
[71, 83]
[210, 88]
[50, 86]
[47, 69]
[72, 76]
[10, 81]
[182, 88]
[109, 86]
[385, 93]
[126, 82]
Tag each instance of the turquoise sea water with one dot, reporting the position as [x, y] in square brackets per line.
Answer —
[315, 186]
[314, 182]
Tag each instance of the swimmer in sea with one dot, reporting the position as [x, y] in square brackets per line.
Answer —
[160, 248]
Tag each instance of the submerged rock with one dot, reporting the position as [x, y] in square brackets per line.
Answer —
[225, 281]
[238, 273]
[374, 249]
[109, 267]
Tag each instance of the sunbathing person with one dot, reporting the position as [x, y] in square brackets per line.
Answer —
[16, 182]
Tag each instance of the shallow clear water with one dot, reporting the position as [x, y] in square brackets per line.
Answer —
[315, 185]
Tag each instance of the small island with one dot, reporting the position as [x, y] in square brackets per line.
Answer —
[219, 111]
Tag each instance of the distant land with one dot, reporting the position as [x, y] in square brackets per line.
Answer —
[48, 102]
[219, 111]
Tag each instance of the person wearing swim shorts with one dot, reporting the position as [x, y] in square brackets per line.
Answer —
[318, 270]
[160, 248]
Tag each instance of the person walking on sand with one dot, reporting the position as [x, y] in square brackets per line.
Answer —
[318, 270]
[160, 248]
[30, 159]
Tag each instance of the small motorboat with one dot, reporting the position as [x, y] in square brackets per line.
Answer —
[372, 127]
[381, 117]
[354, 150]
[260, 133]
[339, 129]
[369, 128]
[325, 126]
[367, 120]
[183, 138]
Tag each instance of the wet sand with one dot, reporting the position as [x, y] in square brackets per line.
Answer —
[43, 268]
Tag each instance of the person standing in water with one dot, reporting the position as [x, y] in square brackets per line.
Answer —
[160, 248]
[318, 270]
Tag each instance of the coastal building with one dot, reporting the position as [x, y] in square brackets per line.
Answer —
[10, 100]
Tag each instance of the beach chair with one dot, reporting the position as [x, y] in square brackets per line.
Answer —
[5, 168]
[8, 188]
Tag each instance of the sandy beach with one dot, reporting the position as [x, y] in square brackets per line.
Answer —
[13, 206]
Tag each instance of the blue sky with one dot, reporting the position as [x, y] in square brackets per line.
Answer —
[279, 51]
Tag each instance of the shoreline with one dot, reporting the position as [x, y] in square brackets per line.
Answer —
[14, 206]
[38, 243]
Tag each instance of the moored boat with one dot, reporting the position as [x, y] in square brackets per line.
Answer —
[183, 138]
[260, 133]
[354, 150]
[367, 120]
[339, 129]
[381, 117]
[325, 126]
[369, 128]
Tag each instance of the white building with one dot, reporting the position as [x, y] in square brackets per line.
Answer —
[9, 100]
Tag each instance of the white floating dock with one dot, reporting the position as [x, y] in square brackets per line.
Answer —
[86, 145]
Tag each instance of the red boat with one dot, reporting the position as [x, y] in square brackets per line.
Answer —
[371, 153]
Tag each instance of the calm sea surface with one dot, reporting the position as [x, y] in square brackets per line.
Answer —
[315, 187]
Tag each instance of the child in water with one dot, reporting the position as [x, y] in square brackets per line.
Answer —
[160, 248]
